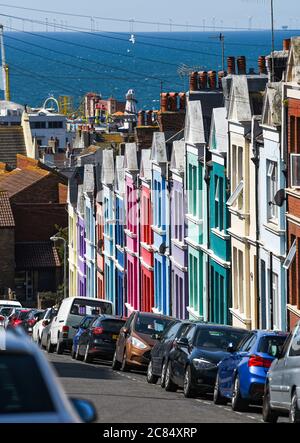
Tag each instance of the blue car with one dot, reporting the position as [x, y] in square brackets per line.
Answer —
[83, 325]
[241, 375]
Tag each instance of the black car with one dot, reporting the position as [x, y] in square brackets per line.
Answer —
[192, 362]
[99, 339]
[159, 354]
[32, 318]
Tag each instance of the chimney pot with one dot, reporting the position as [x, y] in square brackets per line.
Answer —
[286, 44]
[148, 118]
[141, 118]
[202, 79]
[173, 102]
[194, 81]
[164, 101]
[231, 65]
[262, 64]
[221, 74]
[182, 100]
[241, 64]
[212, 79]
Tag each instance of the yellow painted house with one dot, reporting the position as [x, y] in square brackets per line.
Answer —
[244, 110]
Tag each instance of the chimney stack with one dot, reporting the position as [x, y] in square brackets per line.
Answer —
[173, 102]
[194, 81]
[212, 79]
[262, 64]
[286, 44]
[231, 65]
[164, 101]
[182, 101]
[241, 65]
[202, 79]
[148, 118]
[141, 118]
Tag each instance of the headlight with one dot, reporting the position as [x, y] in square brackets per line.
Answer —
[137, 343]
[200, 363]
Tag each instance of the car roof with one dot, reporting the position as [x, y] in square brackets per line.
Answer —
[204, 325]
[154, 315]
[109, 317]
[69, 299]
[267, 332]
[15, 341]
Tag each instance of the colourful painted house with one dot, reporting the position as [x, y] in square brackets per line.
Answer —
[132, 295]
[108, 176]
[178, 247]
[146, 234]
[219, 249]
[160, 226]
[90, 229]
[99, 234]
[81, 244]
[119, 191]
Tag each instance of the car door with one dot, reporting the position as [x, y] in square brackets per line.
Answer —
[275, 375]
[121, 343]
[164, 346]
[290, 376]
[181, 356]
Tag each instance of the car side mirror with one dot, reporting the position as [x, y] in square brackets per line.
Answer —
[183, 341]
[85, 409]
[231, 348]
[125, 331]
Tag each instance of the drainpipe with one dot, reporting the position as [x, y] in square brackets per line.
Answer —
[169, 184]
[270, 292]
[207, 181]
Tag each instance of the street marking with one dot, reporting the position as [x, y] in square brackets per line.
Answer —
[250, 416]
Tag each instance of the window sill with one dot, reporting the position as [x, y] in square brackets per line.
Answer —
[193, 219]
[294, 309]
[238, 213]
[195, 314]
[220, 234]
[146, 246]
[130, 234]
[274, 228]
[293, 191]
[179, 244]
[158, 230]
[241, 317]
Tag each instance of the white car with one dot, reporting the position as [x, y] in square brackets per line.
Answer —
[41, 324]
[30, 389]
[10, 304]
[70, 313]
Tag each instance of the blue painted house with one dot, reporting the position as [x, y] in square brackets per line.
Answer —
[119, 189]
[219, 221]
[90, 227]
[108, 176]
[160, 227]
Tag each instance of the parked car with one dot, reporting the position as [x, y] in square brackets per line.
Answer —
[33, 317]
[10, 304]
[192, 363]
[2, 321]
[99, 339]
[18, 318]
[42, 323]
[83, 325]
[45, 336]
[282, 387]
[30, 390]
[242, 374]
[138, 336]
[159, 354]
[70, 312]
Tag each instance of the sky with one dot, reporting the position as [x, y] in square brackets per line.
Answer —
[219, 13]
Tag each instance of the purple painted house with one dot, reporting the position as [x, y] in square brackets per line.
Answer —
[81, 244]
[178, 248]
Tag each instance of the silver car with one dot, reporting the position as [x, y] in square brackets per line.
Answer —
[282, 388]
[30, 390]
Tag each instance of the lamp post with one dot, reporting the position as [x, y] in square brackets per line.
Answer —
[56, 238]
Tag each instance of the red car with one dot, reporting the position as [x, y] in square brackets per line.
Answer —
[18, 318]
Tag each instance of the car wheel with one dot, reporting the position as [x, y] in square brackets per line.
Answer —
[237, 402]
[163, 375]
[294, 415]
[73, 353]
[170, 386]
[151, 378]
[115, 363]
[188, 390]
[218, 398]
[77, 355]
[124, 365]
[268, 414]
[59, 347]
[49, 346]
[87, 358]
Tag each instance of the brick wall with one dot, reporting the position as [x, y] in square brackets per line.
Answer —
[7, 260]
[171, 121]
[144, 135]
[45, 190]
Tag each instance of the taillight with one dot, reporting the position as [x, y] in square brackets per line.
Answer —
[97, 331]
[31, 322]
[45, 323]
[2, 318]
[65, 331]
[17, 322]
[256, 360]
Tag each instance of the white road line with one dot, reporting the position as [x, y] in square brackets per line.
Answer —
[250, 416]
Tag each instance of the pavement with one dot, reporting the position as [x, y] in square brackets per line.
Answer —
[128, 398]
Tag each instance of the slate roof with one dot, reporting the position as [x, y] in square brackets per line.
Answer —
[293, 66]
[145, 169]
[89, 179]
[178, 156]
[11, 143]
[6, 214]
[20, 179]
[272, 105]
[219, 130]
[194, 128]
[36, 256]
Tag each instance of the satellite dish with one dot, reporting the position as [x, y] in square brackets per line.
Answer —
[162, 249]
[280, 197]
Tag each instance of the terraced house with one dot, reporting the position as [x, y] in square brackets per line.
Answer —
[90, 227]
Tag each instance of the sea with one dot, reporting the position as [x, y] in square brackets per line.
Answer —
[75, 63]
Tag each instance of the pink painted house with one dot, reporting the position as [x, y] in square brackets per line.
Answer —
[132, 295]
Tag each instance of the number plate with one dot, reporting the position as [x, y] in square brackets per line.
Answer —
[115, 337]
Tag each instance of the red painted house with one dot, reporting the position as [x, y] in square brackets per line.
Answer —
[146, 234]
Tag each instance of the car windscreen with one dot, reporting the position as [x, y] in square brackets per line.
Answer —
[147, 324]
[271, 345]
[22, 388]
[5, 311]
[91, 307]
[22, 315]
[217, 338]
[110, 325]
